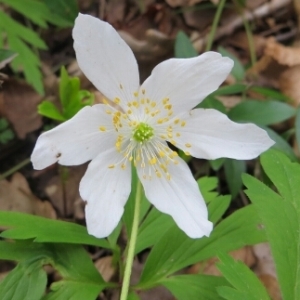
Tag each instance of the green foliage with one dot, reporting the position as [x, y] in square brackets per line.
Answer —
[6, 134]
[25, 41]
[42, 230]
[72, 99]
[6, 56]
[26, 282]
[183, 46]
[233, 172]
[238, 70]
[174, 250]
[245, 283]
[280, 215]
[261, 112]
[187, 287]
[80, 279]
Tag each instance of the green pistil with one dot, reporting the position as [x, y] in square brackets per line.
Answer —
[143, 132]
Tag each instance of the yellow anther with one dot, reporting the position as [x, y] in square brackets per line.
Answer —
[183, 123]
[170, 129]
[123, 167]
[170, 113]
[143, 165]
[152, 161]
[153, 104]
[178, 134]
[104, 101]
[188, 145]
[161, 153]
[168, 106]
[176, 121]
[109, 112]
[117, 100]
[135, 94]
[160, 121]
[129, 104]
[129, 112]
[168, 176]
[165, 100]
[163, 136]
[111, 166]
[130, 158]
[163, 167]
[102, 128]
[147, 110]
[143, 101]
[148, 101]
[134, 103]
[173, 142]
[187, 153]
[170, 135]
[157, 174]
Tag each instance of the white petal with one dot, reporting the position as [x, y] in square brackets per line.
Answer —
[186, 82]
[179, 197]
[105, 59]
[106, 191]
[210, 134]
[75, 141]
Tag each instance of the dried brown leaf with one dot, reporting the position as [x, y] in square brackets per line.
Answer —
[20, 107]
[17, 196]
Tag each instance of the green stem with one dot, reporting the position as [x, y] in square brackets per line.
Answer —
[214, 25]
[15, 168]
[132, 242]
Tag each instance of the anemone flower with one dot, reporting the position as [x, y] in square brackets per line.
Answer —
[135, 126]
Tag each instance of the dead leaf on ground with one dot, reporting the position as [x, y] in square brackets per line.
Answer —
[105, 267]
[20, 106]
[286, 56]
[209, 267]
[67, 196]
[15, 195]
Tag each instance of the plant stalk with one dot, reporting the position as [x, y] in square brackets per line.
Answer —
[132, 242]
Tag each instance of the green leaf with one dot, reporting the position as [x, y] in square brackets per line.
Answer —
[49, 110]
[183, 46]
[81, 280]
[175, 250]
[261, 112]
[297, 127]
[233, 172]
[245, 283]
[192, 287]
[152, 229]
[25, 226]
[63, 12]
[20, 40]
[216, 164]
[238, 70]
[27, 281]
[211, 102]
[217, 207]
[280, 215]
[6, 56]
[280, 143]
[270, 94]
[236, 88]
[207, 185]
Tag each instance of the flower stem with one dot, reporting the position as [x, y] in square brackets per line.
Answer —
[132, 242]
[215, 25]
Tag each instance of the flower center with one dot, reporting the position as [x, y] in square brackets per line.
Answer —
[143, 132]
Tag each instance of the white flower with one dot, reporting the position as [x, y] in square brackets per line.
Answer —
[147, 116]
